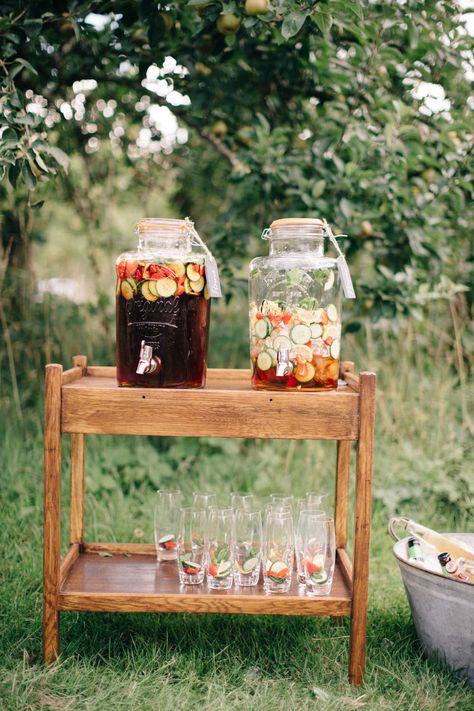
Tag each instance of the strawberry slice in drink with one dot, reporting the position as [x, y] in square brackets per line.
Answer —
[311, 567]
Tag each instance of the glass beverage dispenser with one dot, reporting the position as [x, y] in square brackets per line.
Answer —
[163, 307]
[295, 308]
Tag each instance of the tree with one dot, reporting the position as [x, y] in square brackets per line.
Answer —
[310, 108]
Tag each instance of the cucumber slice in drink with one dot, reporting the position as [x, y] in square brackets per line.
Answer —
[316, 330]
[273, 355]
[147, 292]
[276, 332]
[264, 361]
[262, 328]
[166, 539]
[249, 565]
[335, 349]
[300, 334]
[332, 330]
[304, 352]
[331, 312]
[278, 566]
[282, 342]
[198, 285]
[190, 567]
[318, 315]
[165, 286]
[128, 289]
[319, 577]
[192, 272]
[224, 569]
[330, 281]
[178, 268]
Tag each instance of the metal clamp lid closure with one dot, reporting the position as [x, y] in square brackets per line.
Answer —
[342, 266]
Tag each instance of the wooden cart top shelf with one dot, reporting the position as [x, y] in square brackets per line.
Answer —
[93, 403]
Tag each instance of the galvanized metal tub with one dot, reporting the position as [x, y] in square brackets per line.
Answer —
[443, 612]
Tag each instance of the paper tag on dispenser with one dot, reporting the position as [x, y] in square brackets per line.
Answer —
[345, 277]
[212, 276]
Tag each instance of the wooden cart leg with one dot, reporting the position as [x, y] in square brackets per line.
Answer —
[76, 508]
[363, 507]
[52, 501]
[342, 492]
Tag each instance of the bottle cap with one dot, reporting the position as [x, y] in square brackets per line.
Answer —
[413, 541]
[444, 558]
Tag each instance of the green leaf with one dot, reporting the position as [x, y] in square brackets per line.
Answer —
[37, 205]
[318, 188]
[293, 23]
[32, 27]
[346, 208]
[28, 175]
[355, 7]
[58, 155]
[39, 161]
[9, 134]
[20, 64]
[13, 173]
[323, 20]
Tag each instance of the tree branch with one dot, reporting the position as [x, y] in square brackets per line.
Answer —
[215, 142]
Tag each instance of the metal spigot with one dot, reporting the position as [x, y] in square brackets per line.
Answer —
[147, 363]
[284, 365]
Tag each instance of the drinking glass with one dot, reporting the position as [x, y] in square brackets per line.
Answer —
[245, 502]
[319, 553]
[191, 546]
[166, 523]
[314, 498]
[281, 500]
[203, 500]
[220, 548]
[304, 505]
[247, 547]
[278, 550]
[304, 511]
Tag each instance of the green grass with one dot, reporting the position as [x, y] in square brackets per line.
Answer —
[423, 465]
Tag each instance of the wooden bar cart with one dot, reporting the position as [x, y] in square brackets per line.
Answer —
[86, 400]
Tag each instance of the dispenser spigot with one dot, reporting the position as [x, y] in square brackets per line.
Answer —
[147, 363]
[284, 365]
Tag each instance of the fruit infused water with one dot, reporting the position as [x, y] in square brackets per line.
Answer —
[310, 338]
[162, 307]
[295, 308]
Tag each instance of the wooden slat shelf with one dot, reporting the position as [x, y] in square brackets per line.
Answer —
[136, 583]
[86, 400]
[226, 407]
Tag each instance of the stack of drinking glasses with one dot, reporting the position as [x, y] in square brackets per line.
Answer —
[234, 544]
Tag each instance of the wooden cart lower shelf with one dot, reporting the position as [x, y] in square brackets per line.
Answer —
[86, 400]
[128, 582]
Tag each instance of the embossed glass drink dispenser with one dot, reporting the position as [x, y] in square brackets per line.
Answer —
[163, 291]
[295, 308]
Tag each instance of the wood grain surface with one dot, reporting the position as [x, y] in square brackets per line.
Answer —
[137, 583]
[341, 499]
[226, 407]
[51, 509]
[363, 509]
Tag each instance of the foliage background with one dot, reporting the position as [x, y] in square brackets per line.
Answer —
[358, 111]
